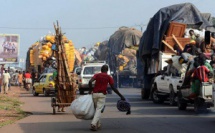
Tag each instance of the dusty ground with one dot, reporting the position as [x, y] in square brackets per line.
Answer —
[10, 106]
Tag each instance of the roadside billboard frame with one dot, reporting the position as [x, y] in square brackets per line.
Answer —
[13, 57]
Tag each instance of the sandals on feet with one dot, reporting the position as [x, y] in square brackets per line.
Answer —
[99, 126]
[93, 127]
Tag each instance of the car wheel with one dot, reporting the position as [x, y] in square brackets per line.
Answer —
[182, 105]
[34, 92]
[155, 96]
[172, 96]
[45, 92]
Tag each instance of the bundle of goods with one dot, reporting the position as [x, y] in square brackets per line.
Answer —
[43, 50]
[88, 55]
[78, 59]
[102, 52]
[34, 52]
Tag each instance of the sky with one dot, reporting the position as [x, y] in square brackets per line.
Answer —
[85, 22]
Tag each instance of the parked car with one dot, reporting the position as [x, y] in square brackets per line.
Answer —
[165, 88]
[87, 72]
[45, 85]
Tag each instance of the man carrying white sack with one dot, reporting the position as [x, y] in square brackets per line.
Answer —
[99, 94]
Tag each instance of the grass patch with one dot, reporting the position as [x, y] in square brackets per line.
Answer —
[10, 110]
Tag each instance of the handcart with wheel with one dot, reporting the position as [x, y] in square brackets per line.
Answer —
[65, 83]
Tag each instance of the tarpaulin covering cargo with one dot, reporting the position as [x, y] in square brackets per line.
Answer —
[123, 38]
[102, 52]
[150, 43]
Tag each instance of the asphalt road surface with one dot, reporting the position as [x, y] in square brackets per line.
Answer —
[145, 117]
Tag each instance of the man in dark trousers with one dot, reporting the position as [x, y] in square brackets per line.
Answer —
[99, 94]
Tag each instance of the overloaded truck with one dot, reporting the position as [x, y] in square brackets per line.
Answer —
[40, 53]
[165, 30]
[122, 50]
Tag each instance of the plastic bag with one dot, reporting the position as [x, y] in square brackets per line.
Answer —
[83, 107]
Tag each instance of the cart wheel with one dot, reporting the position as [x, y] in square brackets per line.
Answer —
[54, 110]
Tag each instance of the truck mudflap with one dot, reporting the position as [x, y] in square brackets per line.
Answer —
[148, 81]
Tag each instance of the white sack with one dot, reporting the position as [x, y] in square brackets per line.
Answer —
[83, 107]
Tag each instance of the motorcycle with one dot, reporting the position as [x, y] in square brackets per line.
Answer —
[28, 82]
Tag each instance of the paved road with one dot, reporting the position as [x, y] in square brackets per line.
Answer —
[145, 117]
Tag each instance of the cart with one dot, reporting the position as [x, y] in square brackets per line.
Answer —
[63, 98]
[65, 82]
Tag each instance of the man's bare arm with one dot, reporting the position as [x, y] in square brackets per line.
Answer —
[90, 85]
[117, 92]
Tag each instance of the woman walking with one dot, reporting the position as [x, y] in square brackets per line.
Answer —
[20, 78]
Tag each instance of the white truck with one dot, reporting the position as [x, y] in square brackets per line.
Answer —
[164, 86]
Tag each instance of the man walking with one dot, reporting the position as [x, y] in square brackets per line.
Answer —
[99, 94]
[6, 78]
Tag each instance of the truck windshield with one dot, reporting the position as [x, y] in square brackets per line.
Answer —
[92, 70]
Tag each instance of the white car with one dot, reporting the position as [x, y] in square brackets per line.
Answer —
[165, 88]
[87, 72]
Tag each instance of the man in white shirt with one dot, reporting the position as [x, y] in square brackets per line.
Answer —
[5, 79]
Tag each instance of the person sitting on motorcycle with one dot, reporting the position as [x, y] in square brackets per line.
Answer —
[28, 79]
[199, 75]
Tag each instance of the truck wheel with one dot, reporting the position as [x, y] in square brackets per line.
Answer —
[199, 105]
[181, 105]
[172, 96]
[145, 94]
[155, 96]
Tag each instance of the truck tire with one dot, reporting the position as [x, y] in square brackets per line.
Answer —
[200, 105]
[182, 105]
[155, 98]
[145, 93]
[172, 96]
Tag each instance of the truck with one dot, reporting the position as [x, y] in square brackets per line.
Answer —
[154, 48]
[122, 51]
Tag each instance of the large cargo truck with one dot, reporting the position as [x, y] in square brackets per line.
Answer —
[122, 50]
[154, 48]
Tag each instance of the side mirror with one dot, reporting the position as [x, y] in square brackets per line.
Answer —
[207, 37]
[78, 73]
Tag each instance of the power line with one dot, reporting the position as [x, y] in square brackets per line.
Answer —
[78, 28]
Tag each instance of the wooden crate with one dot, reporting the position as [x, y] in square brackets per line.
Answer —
[177, 29]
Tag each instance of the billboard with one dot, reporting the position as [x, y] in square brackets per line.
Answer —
[9, 48]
